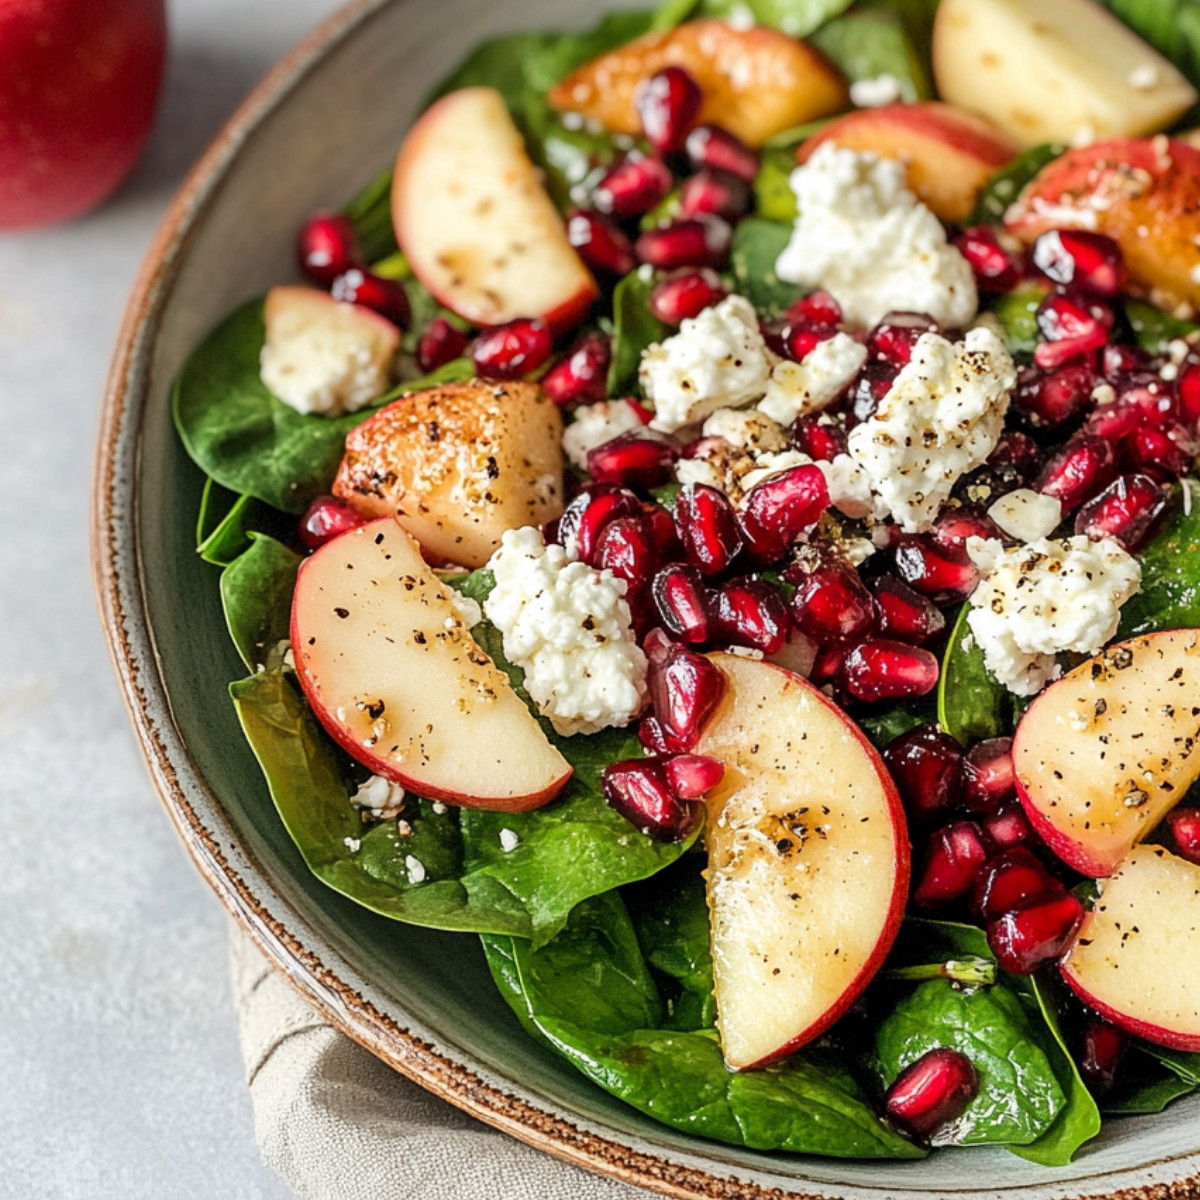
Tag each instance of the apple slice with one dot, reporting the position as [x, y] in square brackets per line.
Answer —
[1054, 72]
[393, 674]
[475, 221]
[1101, 755]
[458, 465]
[1136, 957]
[1143, 193]
[755, 82]
[950, 154]
[808, 862]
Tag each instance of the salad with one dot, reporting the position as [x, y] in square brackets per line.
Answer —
[716, 524]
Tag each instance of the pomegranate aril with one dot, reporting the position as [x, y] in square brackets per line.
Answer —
[512, 350]
[904, 614]
[1102, 1047]
[832, 604]
[1114, 421]
[387, 297]
[685, 294]
[324, 519]
[1160, 454]
[1009, 827]
[716, 192]
[887, 670]
[1034, 932]
[933, 572]
[827, 666]
[667, 104]
[955, 525]
[818, 437]
[1154, 398]
[682, 599]
[685, 688]
[893, 339]
[717, 148]
[995, 268]
[626, 548]
[988, 775]
[750, 613]
[1184, 824]
[817, 308]
[1188, 388]
[654, 740]
[581, 377]
[1119, 360]
[708, 528]
[1091, 262]
[663, 533]
[638, 790]
[441, 343]
[603, 247]
[927, 766]
[782, 508]
[1018, 453]
[328, 247]
[1009, 880]
[658, 646]
[954, 856]
[1083, 467]
[1072, 327]
[869, 388]
[634, 460]
[1050, 400]
[802, 338]
[931, 1092]
[1125, 510]
[700, 242]
[631, 187]
[584, 518]
[691, 775]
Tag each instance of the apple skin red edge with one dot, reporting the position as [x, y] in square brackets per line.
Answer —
[1130, 1024]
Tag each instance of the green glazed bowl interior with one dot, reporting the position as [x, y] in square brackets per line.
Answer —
[316, 130]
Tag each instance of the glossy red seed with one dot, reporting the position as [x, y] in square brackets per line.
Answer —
[818, 436]
[953, 857]
[1052, 399]
[1165, 453]
[832, 604]
[887, 670]
[384, 296]
[996, 269]
[1091, 262]
[927, 766]
[1009, 827]
[667, 104]
[988, 775]
[638, 790]
[626, 548]
[1184, 824]
[691, 775]
[581, 376]
[662, 532]
[931, 1092]
[751, 613]
[681, 597]
[932, 571]
[817, 308]
[604, 247]
[803, 337]
[904, 614]
[1010, 879]
[1188, 388]
[1034, 932]
[439, 344]
[712, 146]
[328, 247]
[716, 192]
[1119, 360]
[700, 242]
[1114, 421]
[658, 646]
[827, 666]
[512, 350]
[652, 738]
[1126, 510]
[685, 688]
[632, 187]
[708, 528]
[685, 294]
[326, 518]
[1154, 398]
[870, 386]
[634, 460]
[955, 525]
[1017, 452]
[1102, 1047]
[583, 520]
[893, 339]
[1072, 327]
[1082, 468]
[782, 508]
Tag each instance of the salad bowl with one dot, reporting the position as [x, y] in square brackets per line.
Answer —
[309, 136]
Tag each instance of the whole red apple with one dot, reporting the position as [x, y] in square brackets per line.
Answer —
[79, 81]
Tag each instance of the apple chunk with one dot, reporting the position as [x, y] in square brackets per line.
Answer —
[393, 674]
[1101, 755]
[1136, 957]
[458, 465]
[808, 863]
[476, 223]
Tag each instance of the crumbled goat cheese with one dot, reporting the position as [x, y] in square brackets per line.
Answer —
[595, 424]
[746, 428]
[438, 807]
[414, 868]
[508, 841]
[379, 797]
[864, 237]
[941, 418]
[875, 93]
[567, 626]
[849, 487]
[1026, 515]
[330, 367]
[352, 844]
[1035, 601]
[468, 610]
[816, 381]
[718, 359]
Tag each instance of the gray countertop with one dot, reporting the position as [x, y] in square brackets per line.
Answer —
[119, 1066]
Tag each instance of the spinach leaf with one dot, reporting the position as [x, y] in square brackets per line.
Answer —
[757, 244]
[916, 16]
[256, 594]
[888, 724]
[1006, 185]
[370, 213]
[1145, 1085]
[990, 1027]
[922, 940]
[1169, 597]
[1016, 313]
[798, 18]
[774, 199]
[869, 42]
[636, 327]
[226, 522]
[971, 704]
[1154, 328]
[1185, 1064]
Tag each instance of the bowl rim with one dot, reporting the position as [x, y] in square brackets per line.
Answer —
[116, 563]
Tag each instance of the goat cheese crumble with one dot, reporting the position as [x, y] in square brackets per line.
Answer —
[1035, 601]
[567, 626]
[596, 424]
[815, 382]
[1026, 515]
[379, 797]
[865, 238]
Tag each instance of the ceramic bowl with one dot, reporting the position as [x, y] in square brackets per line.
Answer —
[320, 126]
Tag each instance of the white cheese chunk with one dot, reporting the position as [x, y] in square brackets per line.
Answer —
[595, 424]
[746, 428]
[815, 382]
[379, 797]
[1026, 515]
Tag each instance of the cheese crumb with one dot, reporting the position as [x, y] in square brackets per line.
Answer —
[1026, 515]
[596, 424]
[814, 382]
[379, 797]
[875, 93]
[415, 869]
[352, 844]
[508, 841]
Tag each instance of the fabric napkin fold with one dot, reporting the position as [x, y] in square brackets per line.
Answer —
[338, 1124]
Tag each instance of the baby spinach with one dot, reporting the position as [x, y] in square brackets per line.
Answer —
[636, 327]
[1006, 185]
[797, 18]
[1169, 597]
[370, 213]
[971, 704]
[1016, 314]
[1145, 1085]
[226, 523]
[870, 42]
[888, 724]
[1154, 328]
[1185, 1064]
[774, 199]
[256, 594]
[757, 244]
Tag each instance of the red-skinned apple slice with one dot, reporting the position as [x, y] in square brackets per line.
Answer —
[808, 861]
[475, 221]
[1136, 957]
[393, 674]
[1103, 754]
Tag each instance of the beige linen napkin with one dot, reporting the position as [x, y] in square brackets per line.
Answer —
[338, 1124]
